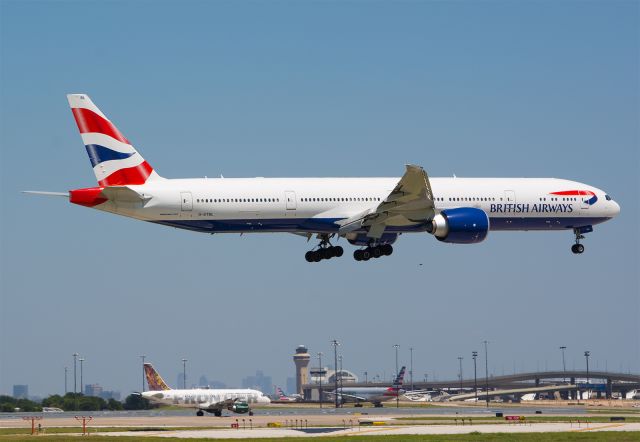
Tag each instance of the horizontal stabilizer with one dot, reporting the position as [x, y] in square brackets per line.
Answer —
[37, 192]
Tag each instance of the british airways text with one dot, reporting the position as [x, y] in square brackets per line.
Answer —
[531, 208]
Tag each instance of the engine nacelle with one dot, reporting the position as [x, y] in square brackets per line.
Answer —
[464, 225]
[239, 407]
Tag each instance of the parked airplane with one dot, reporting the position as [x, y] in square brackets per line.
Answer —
[284, 398]
[368, 212]
[202, 399]
[375, 395]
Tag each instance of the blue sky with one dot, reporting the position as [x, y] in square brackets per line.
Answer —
[314, 89]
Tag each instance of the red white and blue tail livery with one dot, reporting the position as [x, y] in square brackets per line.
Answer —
[369, 213]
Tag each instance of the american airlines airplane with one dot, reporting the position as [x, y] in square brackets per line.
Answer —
[375, 395]
[370, 213]
[202, 399]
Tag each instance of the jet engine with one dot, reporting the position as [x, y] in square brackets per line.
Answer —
[464, 225]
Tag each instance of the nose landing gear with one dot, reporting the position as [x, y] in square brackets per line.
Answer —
[578, 248]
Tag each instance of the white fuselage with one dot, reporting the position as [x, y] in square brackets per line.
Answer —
[316, 205]
[203, 398]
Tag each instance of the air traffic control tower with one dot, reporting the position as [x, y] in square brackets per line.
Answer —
[301, 359]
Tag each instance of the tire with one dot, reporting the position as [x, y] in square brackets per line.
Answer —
[309, 256]
[200, 413]
[580, 248]
[574, 249]
[338, 251]
[376, 252]
[366, 254]
[317, 257]
[387, 249]
[357, 255]
[326, 253]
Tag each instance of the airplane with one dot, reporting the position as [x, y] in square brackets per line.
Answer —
[202, 399]
[375, 395]
[284, 398]
[370, 213]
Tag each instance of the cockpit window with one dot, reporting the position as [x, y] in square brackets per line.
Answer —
[608, 198]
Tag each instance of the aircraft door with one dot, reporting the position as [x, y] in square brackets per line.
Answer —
[584, 204]
[510, 196]
[290, 198]
[186, 201]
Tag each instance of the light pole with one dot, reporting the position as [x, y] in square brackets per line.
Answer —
[564, 367]
[486, 370]
[411, 366]
[474, 355]
[81, 361]
[335, 367]
[143, 358]
[184, 373]
[365, 377]
[75, 382]
[397, 346]
[65, 380]
[320, 377]
[586, 356]
[460, 358]
[340, 361]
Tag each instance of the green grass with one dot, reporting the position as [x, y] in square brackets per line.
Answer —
[472, 437]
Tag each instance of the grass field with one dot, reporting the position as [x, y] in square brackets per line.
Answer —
[473, 437]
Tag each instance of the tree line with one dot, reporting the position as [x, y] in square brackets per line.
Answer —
[73, 402]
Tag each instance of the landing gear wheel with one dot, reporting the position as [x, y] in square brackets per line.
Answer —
[309, 256]
[327, 252]
[577, 249]
[376, 252]
[366, 254]
[387, 249]
[217, 413]
[338, 251]
[357, 255]
[200, 413]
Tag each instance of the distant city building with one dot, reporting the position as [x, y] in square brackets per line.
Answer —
[291, 385]
[20, 391]
[204, 382]
[92, 390]
[258, 382]
[301, 358]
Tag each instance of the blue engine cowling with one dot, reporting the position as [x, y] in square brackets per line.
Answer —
[464, 225]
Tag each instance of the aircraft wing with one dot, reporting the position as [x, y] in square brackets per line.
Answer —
[411, 201]
[350, 396]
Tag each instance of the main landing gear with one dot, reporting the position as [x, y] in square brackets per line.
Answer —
[373, 252]
[578, 248]
[325, 251]
[200, 413]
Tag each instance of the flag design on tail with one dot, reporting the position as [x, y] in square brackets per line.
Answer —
[114, 160]
[400, 378]
[280, 393]
[154, 380]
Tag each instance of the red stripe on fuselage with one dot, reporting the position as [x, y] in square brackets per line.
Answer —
[131, 175]
[573, 193]
[88, 122]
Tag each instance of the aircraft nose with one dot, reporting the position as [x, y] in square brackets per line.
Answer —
[615, 208]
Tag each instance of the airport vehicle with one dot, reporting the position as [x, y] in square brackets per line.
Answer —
[202, 399]
[369, 213]
[375, 395]
[284, 398]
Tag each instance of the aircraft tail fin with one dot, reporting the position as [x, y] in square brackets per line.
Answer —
[400, 378]
[114, 160]
[154, 379]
